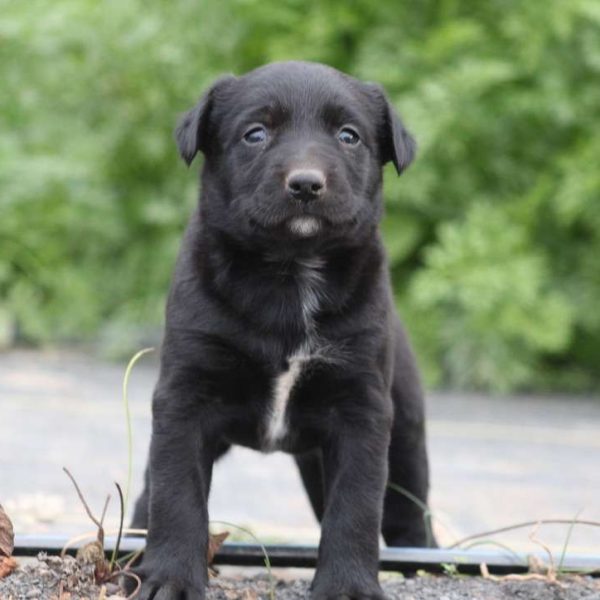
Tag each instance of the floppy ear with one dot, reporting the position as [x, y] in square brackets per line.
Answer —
[396, 143]
[193, 131]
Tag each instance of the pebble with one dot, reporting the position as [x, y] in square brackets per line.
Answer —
[19, 585]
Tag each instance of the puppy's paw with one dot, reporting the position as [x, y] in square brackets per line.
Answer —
[358, 596]
[348, 592]
[153, 589]
[162, 586]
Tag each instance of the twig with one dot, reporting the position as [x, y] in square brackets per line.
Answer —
[485, 573]
[100, 533]
[119, 535]
[92, 534]
[104, 510]
[523, 525]
[134, 557]
[128, 574]
[551, 569]
[101, 528]
[508, 549]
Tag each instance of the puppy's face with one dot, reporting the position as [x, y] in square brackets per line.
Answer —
[293, 153]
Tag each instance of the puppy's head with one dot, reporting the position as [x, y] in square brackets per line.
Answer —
[293, 153]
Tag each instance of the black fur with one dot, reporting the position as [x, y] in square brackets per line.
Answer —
[267, 283]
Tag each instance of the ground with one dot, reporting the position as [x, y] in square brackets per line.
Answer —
[41, 581]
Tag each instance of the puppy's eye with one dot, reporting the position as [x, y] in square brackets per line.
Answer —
[349, 136]
[255, 135]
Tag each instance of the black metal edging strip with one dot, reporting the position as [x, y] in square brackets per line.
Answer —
[405, 560]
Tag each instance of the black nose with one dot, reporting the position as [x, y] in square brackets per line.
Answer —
[305, 184]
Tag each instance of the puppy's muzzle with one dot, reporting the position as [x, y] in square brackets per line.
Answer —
[305, 184]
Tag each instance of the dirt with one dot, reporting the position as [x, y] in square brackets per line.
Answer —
[49, 577]
[420, 588]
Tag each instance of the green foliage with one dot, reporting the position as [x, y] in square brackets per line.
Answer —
[495, 297]
[493, 234]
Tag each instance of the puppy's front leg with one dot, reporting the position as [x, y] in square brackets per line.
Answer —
[174, 564]
[355, 461]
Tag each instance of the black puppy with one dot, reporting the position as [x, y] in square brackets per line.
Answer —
[280, 328]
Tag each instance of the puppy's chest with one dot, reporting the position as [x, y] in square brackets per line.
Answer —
[297, 365]
[283, 385]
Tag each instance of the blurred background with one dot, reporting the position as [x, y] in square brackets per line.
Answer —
[493, 233]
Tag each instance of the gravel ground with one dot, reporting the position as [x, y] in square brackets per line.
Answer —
[421, 588]
[48, 577]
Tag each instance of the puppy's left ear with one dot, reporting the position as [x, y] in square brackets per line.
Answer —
[193, 134]
[396, 143]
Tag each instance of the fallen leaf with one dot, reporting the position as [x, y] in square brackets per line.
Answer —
[215, 541]
[7, 565]
[91, 553]
[7, 534]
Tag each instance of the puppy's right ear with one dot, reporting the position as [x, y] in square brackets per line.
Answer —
[193, 131]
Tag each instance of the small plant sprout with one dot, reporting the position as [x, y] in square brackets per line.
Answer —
[128, 370]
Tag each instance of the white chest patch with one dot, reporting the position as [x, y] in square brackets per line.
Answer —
[310, 289]
[284, 384]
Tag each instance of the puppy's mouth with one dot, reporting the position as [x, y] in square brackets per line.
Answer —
[299, 226]
[304, 226]
[299, 221]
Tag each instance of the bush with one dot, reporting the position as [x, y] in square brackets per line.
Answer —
[493, 234]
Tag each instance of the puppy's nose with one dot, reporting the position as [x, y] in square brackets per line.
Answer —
[305, 184]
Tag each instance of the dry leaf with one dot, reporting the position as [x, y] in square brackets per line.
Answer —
[91, 553]
[7, 534]
[215, 541]
[7, 565]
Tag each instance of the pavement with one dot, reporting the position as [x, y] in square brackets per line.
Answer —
[495, 461]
